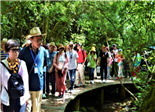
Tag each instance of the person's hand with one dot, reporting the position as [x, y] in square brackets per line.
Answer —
[1, 106]
[50, 70]
[59, 68]
[83, 64]
[77, 69]
[108, 65]
[27, 103]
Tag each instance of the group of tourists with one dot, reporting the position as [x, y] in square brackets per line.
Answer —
[26, 71]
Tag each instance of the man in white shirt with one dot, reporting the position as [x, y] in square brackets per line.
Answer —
[115, 62]
[72, 64]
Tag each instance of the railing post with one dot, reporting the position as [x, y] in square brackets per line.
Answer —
[100, 99]
[122, 92]
[76, 104]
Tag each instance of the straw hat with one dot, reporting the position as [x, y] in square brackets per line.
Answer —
[93, 49]
[4, 40]
[52, 44]
[103, 46]
[60, 46]
[35, 32]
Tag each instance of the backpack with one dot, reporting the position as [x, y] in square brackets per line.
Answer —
[15, 84]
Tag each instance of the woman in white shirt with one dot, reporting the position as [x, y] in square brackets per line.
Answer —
[10, 103]
[61, 64]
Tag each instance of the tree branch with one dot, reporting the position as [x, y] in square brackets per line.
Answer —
[10, 9]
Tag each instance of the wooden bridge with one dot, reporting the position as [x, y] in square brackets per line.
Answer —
[71, 101]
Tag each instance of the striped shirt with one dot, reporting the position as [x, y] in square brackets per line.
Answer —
[3, 55]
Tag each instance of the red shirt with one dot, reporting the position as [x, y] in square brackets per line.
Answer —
[81, 58]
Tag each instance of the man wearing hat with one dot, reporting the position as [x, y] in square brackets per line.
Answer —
[72, 64]
[81, 62]
[4, 55]
[104, 63]
[50, 69]
[115, 62]
[34, 55]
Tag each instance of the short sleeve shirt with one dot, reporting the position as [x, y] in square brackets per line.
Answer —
[81, 56]
[91, 60]
[72, 56]
[50, 59]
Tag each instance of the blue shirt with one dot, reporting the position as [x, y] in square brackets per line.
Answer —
[50, 59]
[35, 79]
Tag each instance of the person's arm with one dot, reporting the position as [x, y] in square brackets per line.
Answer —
[85, 55]
[55, 61]
[94, 57]
[108, 59]
[77, 64]
[50, 70]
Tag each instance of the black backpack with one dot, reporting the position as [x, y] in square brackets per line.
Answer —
[15, 84]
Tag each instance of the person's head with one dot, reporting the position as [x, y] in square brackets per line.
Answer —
[35, 37]
[3, 42]
[55, 48]
[93, 50]
[51, 46]
[61, 48]
[114, 46]
[79, 46]
[135, 53]
[120, 51]
[71, 45]
[103, 48]
[66, 48]
[107, 49]
[12, 48]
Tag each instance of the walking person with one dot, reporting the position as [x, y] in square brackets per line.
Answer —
[136, 63]
[95, 71]
[50, 69]
[81, 62]
[35, 57]
[120, 64]
[4, 54]
[104, 62]
[61, 64]
[108, 67]
[13, 67]
[115, 62]
[92, 57]
[72, 65]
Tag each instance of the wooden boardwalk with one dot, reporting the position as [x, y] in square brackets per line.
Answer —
[54, 104]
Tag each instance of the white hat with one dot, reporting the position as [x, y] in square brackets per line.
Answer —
[71, 43]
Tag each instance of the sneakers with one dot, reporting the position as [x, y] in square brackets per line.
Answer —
[43, 96]
[89, 82]
[101, 81]
[92, 82]
[105, 81]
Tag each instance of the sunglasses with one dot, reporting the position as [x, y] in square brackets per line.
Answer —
[15, 50]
